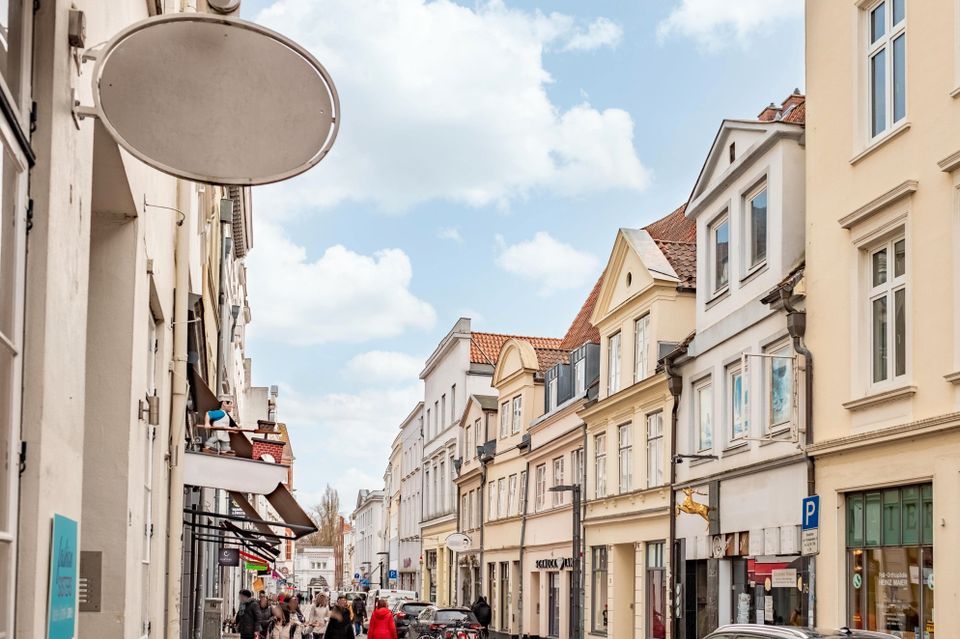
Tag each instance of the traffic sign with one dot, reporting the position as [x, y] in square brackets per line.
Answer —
[392, 574]
[811, 513]
[356, 575]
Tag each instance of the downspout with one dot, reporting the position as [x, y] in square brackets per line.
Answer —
[581, 559]
[483, 490]
[523, 536]
[178, 413]
[797, 327]
[675, 386]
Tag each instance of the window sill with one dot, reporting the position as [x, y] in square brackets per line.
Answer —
[881, 141]
[736, 447]
[955, 93]
[718, 297]
[774, 435]
[953, 378]
[874, 399]
[753, 272]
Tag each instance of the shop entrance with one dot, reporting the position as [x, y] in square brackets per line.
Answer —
[553, 603]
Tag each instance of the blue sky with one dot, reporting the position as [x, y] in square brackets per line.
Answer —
[488, 153]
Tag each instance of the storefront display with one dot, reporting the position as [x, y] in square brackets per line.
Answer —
[773, 591]
[890, 561]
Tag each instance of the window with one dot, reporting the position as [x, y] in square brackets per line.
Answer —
[720, 245]
[780, 386]
[598, 565]
[523, 492]
[442, 504]
[654, 449]
[890, 560]
[443, 408]
[552, 389]
[436, 418]
[737, 406]
[756, 227]
[641, 330]
[464, 512]
[613, 363]
[580, 376]
[886, 64]
[541, 488]
[703, 407]
[626, 458]
[656, 592]
[426, 493]
[504, 419]
[428, 423]
[453, 403]
[577, 462]
[600, 464]
[517, 413]
[887, 303]
[491, 501]
[472, 452]
[512, 496]
[558, 480]
[468, 441]
[502, 498]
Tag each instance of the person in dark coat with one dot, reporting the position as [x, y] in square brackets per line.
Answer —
[265, 614]
[248, 619]
[339, 626]
[481, 610]
[359, 614]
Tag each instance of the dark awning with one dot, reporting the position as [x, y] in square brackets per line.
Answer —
[291, 512]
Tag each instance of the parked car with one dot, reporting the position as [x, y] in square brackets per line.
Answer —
[759, 631]
[432, 621]
[404, 612]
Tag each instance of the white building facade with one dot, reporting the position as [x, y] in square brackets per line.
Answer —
[368, 542]
[411, 503]
[314, 569]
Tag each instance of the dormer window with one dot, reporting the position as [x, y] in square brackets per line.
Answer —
[756, 226]
[720, 248]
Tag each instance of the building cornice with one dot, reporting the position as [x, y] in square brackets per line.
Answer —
[918, 428]
[877, 204]
[628, 395]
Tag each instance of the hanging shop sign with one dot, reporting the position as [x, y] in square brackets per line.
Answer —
[555, 563]
[229, 557]
[62, 605]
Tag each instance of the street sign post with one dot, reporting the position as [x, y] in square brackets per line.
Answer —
[810, 526]
[392, 574]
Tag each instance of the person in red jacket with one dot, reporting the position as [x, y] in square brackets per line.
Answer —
[382, 625]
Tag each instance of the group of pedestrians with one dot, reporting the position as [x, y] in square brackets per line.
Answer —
[262, 618]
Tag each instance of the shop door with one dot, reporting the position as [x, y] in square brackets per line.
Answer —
[553, 603]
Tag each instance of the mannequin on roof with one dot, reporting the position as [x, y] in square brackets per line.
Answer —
[219, 440]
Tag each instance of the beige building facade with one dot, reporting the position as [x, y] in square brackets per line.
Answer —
[883, 222]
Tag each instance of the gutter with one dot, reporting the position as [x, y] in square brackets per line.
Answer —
[675, 386]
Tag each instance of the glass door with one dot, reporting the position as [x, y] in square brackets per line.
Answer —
[553, 603]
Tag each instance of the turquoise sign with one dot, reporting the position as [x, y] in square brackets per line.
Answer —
[62, 610]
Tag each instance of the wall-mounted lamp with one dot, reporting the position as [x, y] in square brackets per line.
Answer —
[678, 459]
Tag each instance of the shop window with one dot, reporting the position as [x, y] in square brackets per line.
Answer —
[656, 592]
[598, 623]
[772, 592]
[890, 561]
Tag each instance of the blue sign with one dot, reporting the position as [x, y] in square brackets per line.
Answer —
[356, 575]
[392, 574]
[811, 513]
[62, 608]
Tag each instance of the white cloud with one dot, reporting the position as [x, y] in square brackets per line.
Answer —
[715, 24]
[551, 264]
[387, 366]
[341, 296]
[602, 32]
[450, 233]
[446, 102]
[343, 439]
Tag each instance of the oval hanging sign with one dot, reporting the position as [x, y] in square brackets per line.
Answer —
[216, 100]
[457, 542]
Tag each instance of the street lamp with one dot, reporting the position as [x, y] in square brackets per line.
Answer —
[678, 459]
[575, 575]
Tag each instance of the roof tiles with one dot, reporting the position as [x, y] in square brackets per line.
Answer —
[485, 347]
[581, 331]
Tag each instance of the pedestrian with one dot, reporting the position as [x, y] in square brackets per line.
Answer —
[293, 605]
[247, 621]
[338, 624]
[265, 614]
[481, 610]
[382, 625]
[359, 614]
[318, 616]
[284, 625]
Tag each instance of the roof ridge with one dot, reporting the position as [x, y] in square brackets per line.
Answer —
[557, 339]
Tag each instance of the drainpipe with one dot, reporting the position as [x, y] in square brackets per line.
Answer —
[581, 558]
[523, 536]
[675, 386]
[797, 327]
[178, 413]
[483, 491]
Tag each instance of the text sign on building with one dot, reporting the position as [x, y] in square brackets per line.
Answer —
[555, 564]
[229, 557]
[810, 525]
[62, 605]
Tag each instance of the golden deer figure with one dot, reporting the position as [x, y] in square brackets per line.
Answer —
[691, 507]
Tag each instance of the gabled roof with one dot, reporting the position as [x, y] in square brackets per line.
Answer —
[683, 258]
[581, 331]
[673, 227]
[485, 347]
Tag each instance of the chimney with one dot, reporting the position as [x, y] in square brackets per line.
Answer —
[792, 100]
[770, 113]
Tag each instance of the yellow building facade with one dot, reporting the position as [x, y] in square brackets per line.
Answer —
[883, 207]
[645, 306]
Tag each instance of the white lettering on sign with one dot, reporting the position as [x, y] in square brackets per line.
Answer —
[895, 579]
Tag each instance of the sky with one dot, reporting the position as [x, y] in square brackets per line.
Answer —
[488, 153]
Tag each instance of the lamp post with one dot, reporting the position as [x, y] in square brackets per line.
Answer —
[387, 553]
[577, 556]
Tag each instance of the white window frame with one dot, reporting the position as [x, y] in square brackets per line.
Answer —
[580, 376]
[654, 449]
[558, 480]
[502, 505]
[523, 492]
[716, 288]
[641, 347]
[751, 262]
[517, 415]
[732, 398]
[884, 43]
[512, 495]
[888, 291]
[699, 388]
[491, 500]
[505, 413]
[782, 351]
[614, 345]
[552, 389]
[600, 465]
[541, 488]
[625, 457]
[468, 441]
[578, 465]
[453, 403]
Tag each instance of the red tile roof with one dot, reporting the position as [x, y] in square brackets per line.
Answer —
[581, 331]
[683, 258]
[547, 358]
[675, 227]
[485, 347]
[792, 110]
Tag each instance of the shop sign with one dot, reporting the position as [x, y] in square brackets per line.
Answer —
[768, 608]
[894, 579]
[810, 526]
[555, 563]
[62, 605]
[857, 581]
[784, 578]
[229, 557]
